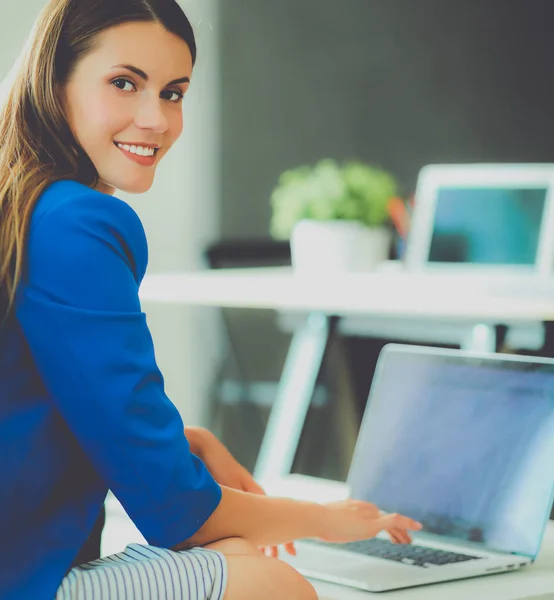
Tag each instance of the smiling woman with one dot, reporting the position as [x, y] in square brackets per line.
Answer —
[95, 106]
[123, 106]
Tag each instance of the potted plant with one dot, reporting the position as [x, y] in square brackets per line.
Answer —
[336, 216]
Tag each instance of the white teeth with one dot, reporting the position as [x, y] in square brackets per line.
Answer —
[139, 150]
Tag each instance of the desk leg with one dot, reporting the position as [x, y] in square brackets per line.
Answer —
[296, 388]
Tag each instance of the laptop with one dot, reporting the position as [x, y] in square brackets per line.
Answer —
[489, 225]
[464, 444]
[490, 218]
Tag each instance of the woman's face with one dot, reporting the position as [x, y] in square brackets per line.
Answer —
[124, 101]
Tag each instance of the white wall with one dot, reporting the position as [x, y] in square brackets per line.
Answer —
[179, 213]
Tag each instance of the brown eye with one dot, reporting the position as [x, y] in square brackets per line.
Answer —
[121, 82]
[166, 95]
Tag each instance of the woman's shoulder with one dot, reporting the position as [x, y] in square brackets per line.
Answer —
[72, 215]
[68, 197]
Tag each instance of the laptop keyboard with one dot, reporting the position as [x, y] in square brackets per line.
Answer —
[410, 554]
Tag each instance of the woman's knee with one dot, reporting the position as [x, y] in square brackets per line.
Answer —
[251, 578]
[295, 585]
[235, 546]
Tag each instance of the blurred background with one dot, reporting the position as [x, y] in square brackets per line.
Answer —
[392, 83]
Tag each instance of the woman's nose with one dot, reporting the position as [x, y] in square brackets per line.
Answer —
[151, 115]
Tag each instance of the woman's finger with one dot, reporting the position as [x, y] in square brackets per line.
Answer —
[290, 549]
[395, 521]
[394, 538]
[250, 485]
[396, 526]
[273, 551]
[397, 536]
[400, 536]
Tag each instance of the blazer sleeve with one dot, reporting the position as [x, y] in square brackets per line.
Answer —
[79, 308]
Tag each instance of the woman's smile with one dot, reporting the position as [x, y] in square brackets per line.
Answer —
[143, 155]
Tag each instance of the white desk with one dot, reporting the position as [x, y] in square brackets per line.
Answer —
[534, 583]
[430, 302]
[381, 294]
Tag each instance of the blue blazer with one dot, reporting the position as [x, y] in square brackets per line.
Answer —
[82, 401]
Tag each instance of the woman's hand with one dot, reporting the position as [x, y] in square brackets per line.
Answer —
[353, 520]
[225, 469]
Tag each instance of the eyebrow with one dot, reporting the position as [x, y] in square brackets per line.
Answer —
[144, 76]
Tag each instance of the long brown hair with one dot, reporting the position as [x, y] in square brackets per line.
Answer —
[37, 146]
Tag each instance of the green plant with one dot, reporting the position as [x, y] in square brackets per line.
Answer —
[329, 191]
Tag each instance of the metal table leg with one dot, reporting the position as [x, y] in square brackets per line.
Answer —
[485, 338]
[296, 388]
[481, 338]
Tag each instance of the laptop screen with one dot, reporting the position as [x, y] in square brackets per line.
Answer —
[463, 445]
[490, 226]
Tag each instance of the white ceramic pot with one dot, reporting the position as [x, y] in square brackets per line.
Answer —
[344, 246]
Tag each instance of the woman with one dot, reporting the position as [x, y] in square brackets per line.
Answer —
[95, 105]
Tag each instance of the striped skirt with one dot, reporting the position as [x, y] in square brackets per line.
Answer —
[148, 573]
